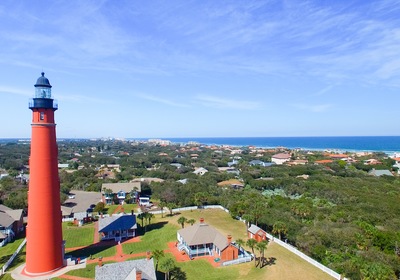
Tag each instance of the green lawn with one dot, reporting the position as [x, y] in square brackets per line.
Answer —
[7, 251]
[127, 208]
[158, 234]
[78, 236]
[94, 251]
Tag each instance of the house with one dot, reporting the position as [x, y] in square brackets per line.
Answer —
[117, 227]
[141, 269]
[323, 161]
[177, 165]
[202, 240]
[256, 233]
[232, 163]
[200, 171]
[233, 183]
[255, 162]
[120, 191]
[372, 161]
[379, 173]
[280, 158]
[11, 223]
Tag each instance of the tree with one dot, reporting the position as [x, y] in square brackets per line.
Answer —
[99, 207]
[149, 217]
[240, 242]
[182, 220]
[162, 204]
[167, 265]
[191, 221]
[252, 243]
[261, 246]
[279, 228]
[141, 216]
[157, 255]
[171, 207]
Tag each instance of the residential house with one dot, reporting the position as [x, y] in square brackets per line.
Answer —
[233, 183]
[280, 158]
[379, 173]
[255, 162]
[323, 161]
[11, 223]
[141, 269]
[200, 171]
[372, 161]
[202, 239]
[256, 233]
[79, 205]
[117, 227]
[233, 162]
[119, 191]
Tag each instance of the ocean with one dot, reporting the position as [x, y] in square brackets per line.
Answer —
[387, 144]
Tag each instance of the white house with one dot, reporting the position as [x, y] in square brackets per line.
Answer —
[280, 158]
[200, 171]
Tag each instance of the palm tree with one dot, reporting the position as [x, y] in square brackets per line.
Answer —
[191, 221]
[171, 206]
[162, 204]
[182, 220]
[167, 265]
[141, 217]
[261, 246]
[279, 228]
[240, 243]
[157, 255]
[252, 243]
[149, 216]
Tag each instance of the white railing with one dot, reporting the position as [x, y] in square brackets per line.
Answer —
[237, 261]
[8, 263]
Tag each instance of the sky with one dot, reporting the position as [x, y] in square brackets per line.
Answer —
[159, 69]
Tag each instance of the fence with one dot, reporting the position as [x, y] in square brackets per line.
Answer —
[237, 261]
[8, 263]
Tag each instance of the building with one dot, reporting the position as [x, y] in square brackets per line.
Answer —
[280, 158]
[45, 246]
[200, 171]
[117, 227]
[256, 233]
[11, 223]
[113, 192]
[202, 239]
[142, 269]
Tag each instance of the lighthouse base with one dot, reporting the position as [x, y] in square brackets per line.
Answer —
[20, 274]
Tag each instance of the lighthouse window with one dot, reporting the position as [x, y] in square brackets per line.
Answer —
[41, 116]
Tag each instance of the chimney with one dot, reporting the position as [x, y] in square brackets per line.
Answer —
[138, 275]
[201, 220]
[148, 255]
[229, 239]
[132, 212]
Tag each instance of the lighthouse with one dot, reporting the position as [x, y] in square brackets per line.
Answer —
[44, 247]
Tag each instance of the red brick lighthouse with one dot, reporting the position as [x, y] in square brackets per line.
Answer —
[44, 247]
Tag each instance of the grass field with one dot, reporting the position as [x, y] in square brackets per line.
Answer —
[78, 236]
[7, 251]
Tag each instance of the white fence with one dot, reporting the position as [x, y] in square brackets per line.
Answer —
[8, 263]
[237, 261]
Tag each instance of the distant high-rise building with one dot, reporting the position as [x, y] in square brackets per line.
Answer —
[44, 248]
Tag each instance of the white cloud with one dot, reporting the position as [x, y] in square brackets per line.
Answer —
[15, 91]
[225, 103]
[161, 100]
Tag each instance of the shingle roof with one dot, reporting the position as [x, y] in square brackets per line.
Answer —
[203, 234]
[123, 222]
[253, 229]
[126, 187]
[126, 270]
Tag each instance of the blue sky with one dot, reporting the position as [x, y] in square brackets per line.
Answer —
[139, 69]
